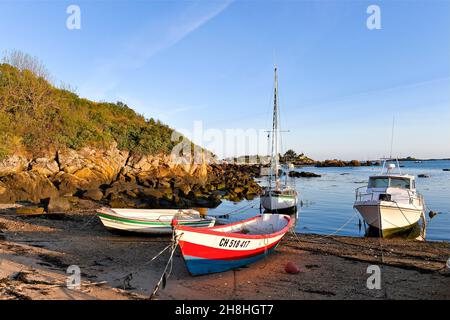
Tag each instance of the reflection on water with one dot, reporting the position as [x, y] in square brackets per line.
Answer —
[411, 233]
[291, 211]
[326, 203]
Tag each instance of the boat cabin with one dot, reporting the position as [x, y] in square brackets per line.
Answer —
[387, 186]
[401, 188]
[392, 181]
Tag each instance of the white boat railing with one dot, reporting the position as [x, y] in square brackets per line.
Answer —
[363, 196]
[411, 198]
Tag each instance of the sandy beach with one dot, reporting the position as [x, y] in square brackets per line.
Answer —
[35, 252]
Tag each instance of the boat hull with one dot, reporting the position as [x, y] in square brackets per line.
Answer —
[199, 266]
[278, 202]
[409, 232]
[389, 217]
[208, 251]
[149, 226]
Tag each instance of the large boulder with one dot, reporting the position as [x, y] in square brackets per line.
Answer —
[339, 163]
[84, 204]
[13, 164]
[93, 194]
[118, 203]
[121, 187]
[93, 165]
[68, 184]
[147, 179]
[124, 201]
[332, 163]
[29, 186]
[5, 194]
[152, 193]
[303, 174]
[138, 164]
[44, 166]
[58, 205]
[185, 188]
[354, 163]
[142, 163]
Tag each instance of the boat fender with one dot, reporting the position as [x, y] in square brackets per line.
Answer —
[291, 268]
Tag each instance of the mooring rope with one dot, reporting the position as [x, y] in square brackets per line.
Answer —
[235, 211]
[165, 275]
[330, 234]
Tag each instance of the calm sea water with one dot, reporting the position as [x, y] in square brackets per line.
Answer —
[328, 201]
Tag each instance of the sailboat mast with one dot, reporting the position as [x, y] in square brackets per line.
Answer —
[275, 129]
[392, 136]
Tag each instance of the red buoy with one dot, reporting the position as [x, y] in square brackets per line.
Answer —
[291, 268]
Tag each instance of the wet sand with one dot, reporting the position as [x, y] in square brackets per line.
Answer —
[35, 252]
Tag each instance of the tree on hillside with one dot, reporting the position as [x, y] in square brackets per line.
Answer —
[24, 61]
[289, 155]
[23, 92]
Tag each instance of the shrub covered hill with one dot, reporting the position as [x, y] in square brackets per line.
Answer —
[36, 116]
[60, 151]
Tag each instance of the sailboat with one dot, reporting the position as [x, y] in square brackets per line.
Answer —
[390, 203]
[277, 196]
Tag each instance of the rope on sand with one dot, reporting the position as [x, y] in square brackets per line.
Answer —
[165, 275]
[129, 276]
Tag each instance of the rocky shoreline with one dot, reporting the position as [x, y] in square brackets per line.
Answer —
[69, 179]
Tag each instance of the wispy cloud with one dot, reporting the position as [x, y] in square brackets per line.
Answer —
[145, 43]
[159, 110]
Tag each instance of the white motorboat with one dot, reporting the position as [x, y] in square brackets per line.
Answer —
[390, 202]
[277, 196]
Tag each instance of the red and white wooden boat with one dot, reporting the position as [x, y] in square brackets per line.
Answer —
[222, 248]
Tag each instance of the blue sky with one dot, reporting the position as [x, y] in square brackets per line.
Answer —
[212, 61]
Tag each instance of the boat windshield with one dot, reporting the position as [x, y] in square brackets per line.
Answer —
[393, 182]
[378, 182]
[403, 183]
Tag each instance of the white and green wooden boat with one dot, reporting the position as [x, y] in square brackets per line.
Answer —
[153, 221]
